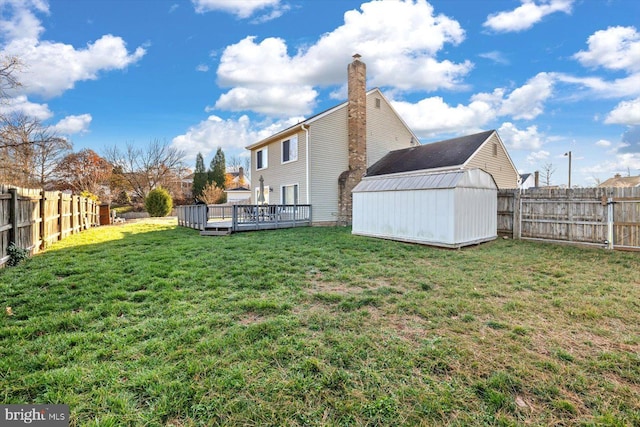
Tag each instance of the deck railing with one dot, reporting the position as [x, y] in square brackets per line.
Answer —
[243, 217]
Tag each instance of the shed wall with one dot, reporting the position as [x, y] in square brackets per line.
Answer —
[475, 212]
[413, 215]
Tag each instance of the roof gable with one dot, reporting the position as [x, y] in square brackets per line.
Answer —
[295, 128]
[442, 154]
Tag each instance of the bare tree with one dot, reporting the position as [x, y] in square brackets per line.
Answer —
[9, 65]
[547, 172]
[29, 150]
[158, 164]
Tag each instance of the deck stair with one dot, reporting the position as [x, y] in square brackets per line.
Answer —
[214, 230]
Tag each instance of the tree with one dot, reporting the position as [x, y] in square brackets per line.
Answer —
[199, 177]
[84, 171]
[9, 65]
[211, 194]
[29, 151]
[159, 164]
[158, 202]
[547, 171]
[218, 169]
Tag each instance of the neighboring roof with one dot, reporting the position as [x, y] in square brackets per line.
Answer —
[622, 181]
[524, 176]
[468, 178]
[315, 117]
[442, 154]
[238, 189]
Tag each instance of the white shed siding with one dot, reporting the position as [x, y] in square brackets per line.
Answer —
[450, 209]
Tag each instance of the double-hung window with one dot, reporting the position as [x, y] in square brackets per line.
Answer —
[261, 158]
[290, 149]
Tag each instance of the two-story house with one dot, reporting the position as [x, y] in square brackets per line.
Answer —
[320, 160]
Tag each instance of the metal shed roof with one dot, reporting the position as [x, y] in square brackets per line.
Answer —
[467, 178]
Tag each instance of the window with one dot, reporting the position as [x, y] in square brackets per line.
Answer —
[289, 194]
[495, 150]
[265, 195]
[377, 102]
[290, 149]
[261, 158]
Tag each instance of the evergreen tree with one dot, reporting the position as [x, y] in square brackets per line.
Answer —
[199, 177]
[218, 169]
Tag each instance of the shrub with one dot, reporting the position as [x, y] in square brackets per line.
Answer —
[212, 195]
[158, 202]
[16, 254]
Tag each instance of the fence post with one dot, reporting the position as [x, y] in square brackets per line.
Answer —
[43, 219]
[516, 227]
[13, 216]
[60, 216]
[610, 223]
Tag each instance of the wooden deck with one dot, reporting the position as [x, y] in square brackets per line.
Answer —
[217, 220]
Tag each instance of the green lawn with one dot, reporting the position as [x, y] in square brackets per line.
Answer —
[151, 324]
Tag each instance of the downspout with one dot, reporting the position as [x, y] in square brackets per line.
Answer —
[306, 131]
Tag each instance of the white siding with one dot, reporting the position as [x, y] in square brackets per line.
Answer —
[278, 174]
[499, 166]
[385, 130]
[328, 146]
[463, 214]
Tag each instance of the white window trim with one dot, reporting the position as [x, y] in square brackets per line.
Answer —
[265, 158]
[293, 137]
[282, 187]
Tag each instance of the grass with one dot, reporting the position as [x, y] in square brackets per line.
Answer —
[151, 324]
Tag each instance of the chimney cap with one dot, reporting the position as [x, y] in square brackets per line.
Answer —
[356, 56]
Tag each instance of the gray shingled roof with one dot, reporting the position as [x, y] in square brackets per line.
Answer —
[452, 152]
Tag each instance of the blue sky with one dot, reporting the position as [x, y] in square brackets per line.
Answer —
[549, 75]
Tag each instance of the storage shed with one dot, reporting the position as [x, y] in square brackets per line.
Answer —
[451, 209]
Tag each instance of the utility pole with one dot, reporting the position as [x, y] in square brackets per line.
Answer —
[568, 153]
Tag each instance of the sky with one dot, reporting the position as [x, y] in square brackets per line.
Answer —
[551, 76]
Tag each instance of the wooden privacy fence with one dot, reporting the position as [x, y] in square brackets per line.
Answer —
[607, 217]
[32, 219]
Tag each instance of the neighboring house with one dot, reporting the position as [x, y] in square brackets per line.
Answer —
[621, 181]
[528, 180]
[483, 150]
[320, 160]
[237, 179]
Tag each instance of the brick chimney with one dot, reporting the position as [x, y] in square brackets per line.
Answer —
[240, 176]
[357, 134]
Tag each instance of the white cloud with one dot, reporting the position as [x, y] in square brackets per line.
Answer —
[625, 113]
[537, 156]
[432, 116]
[232, 135]
[203, 68]
[525, 139]
[527, 101]
[51, 68]
[399, 42]
[603, 143]
[274, 101]
[73, 124]
[527, 15]
[21, 105]
[618, 88]
[495, 56]
[616, 48]
[18, 19]
[240, 8]
[620, 164]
